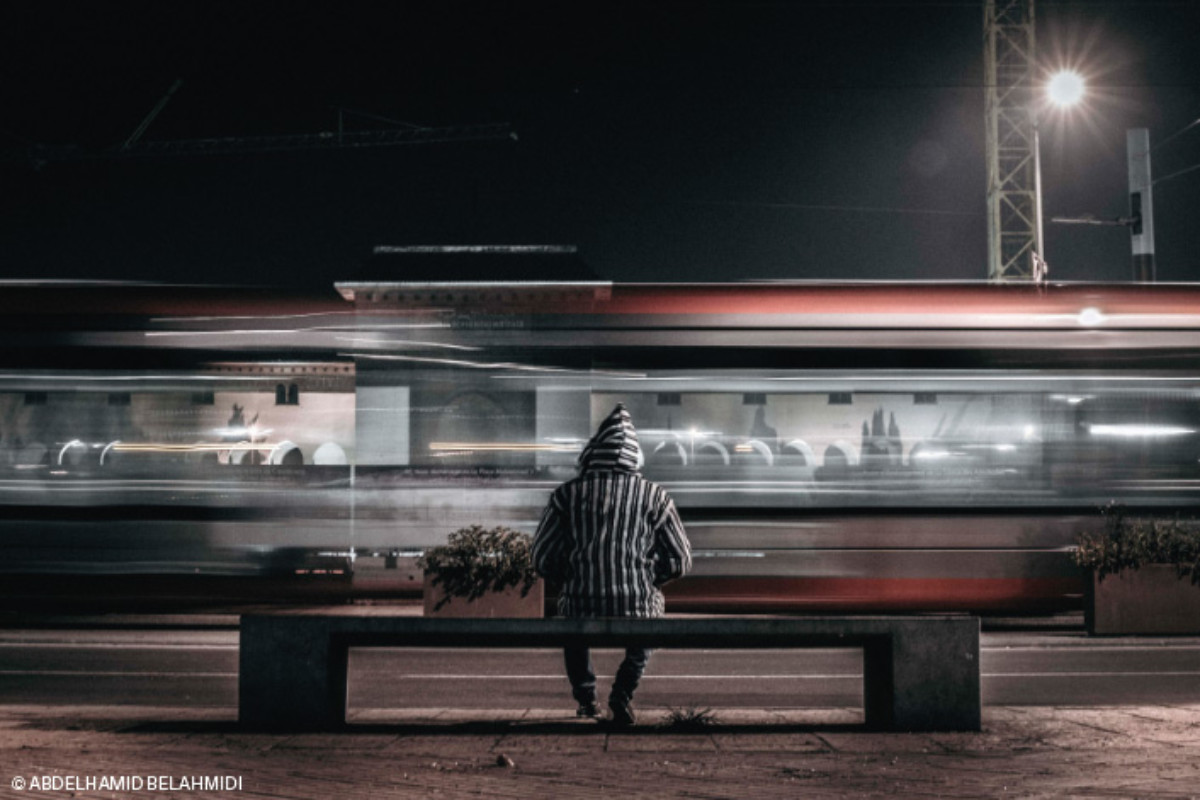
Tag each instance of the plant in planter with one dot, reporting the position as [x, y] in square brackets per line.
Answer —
[1146, 561]
[482, 572]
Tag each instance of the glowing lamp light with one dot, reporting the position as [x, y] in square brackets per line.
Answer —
[1065, 88]
[1090, 317]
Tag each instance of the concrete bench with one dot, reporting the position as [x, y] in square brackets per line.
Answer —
[921, 673]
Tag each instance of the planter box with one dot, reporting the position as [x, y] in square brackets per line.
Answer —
[1149, 600]
[508, 603]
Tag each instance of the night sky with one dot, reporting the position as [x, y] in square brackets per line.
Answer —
[669, 141]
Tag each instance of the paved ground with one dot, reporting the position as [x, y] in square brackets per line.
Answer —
[1130, 751]
[1023, 751]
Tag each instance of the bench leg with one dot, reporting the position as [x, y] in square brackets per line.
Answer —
[926, 678]
[291, 676]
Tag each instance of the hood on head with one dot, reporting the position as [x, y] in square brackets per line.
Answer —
[615, 445]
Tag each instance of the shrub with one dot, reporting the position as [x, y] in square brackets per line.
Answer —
[477, 560]
[1129, 542]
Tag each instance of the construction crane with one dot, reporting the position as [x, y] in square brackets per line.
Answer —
[401, 133]
[1013, 192]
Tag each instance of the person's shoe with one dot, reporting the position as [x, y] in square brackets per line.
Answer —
[588, 709]
[622, 711]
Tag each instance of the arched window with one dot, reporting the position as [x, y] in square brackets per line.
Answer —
[330, 454]
[286, 454]
[710, 452]
[798, 452]
[754, 453]
[669, 454]
[841, 454]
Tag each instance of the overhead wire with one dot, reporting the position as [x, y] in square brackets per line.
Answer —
[1175, 135]
[830, 207]
[1167, 141]
[1183, 171]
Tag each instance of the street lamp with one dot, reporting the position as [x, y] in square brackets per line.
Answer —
[1064, 89]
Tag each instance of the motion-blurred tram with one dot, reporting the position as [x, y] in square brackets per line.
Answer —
[915, 446]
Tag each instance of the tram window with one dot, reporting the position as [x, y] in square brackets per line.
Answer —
[119, 398]
[287, 395]
[35, 398]
[960, 446]
[754, 399]
[203, 399]
[472, 426]
[670, 399]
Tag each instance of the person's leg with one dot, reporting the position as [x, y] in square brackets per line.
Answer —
[579, 672]
[629, 674]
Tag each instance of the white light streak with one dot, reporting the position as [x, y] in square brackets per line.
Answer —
[317, 314]
[1139, 431]
[150, 447]
[587, 374]
[728, 554]
[104, 452]
[404, 343]
[235, 332]
[389, 326]
[492, 365]
[930, 381]
[63, 453]
[454, 362]
[461, 448]
[72, 378]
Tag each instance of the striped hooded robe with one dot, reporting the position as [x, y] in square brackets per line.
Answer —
[610, 537]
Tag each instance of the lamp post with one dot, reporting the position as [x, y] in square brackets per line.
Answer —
[1141, 204]
[1063, 90]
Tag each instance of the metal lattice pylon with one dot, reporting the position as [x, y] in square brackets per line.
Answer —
[1013, 196]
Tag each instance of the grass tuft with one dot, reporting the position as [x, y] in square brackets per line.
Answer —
[689, 719]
